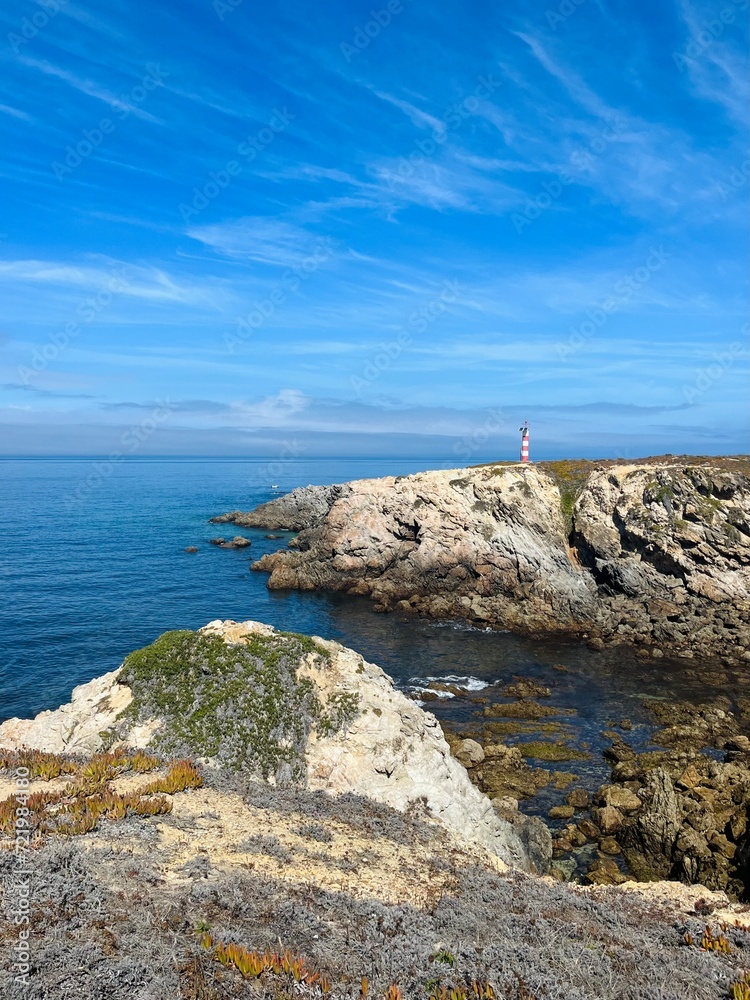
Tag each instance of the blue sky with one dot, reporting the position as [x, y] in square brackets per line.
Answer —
[235, 228]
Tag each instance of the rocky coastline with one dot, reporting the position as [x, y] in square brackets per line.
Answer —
[654, 554]
[270, 787]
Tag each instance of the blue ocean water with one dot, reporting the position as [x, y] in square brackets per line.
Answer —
[93, 563]
[93, 566]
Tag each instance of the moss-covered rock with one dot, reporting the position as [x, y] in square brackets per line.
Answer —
[542, 750]
[241, 704]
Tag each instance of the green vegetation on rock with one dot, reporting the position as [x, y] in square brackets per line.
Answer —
[570, 477]
[541, 750]
[242, 704]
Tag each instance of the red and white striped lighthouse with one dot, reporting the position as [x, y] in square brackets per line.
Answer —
[524, 441]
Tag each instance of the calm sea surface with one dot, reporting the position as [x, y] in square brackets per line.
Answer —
[84, 582]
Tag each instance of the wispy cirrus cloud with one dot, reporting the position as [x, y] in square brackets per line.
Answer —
[263, 240]
[90, 88]
[375, 163]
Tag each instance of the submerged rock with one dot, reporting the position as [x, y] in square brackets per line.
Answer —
[526, 687]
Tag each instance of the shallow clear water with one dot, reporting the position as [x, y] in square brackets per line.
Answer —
[84, 583]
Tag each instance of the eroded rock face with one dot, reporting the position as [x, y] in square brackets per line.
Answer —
[669, 549]
[75, 727]
[658, 555]
[390, 750]
[487, 544]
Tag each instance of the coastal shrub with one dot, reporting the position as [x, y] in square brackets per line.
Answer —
[314, 831]
[253, 965]
[78, 807]
[265, 843]
[241, 704]
[570, 477]
[106, 925]
[38, 763]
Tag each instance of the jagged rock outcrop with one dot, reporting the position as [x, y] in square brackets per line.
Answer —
[362, 735]
[489, 544]
[302, 508]
[669, 549]
[677, 812]
[652, 554]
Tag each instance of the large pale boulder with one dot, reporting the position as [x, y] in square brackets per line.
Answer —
[390, 750]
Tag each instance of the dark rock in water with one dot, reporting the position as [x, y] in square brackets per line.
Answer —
[525, 687]
[504, 772]
[608, 819]
[589, 829]
[608, 845]
[561, 812]
[579, 798]
[604, 871]
[191, 548]
[225, 518]
[238, 542]
[523, 709]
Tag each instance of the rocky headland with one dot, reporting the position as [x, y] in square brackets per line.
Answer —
[653, 553]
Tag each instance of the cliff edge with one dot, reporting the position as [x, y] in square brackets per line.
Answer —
[654, 553]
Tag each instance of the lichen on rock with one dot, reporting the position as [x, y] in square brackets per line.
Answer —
[241, 704]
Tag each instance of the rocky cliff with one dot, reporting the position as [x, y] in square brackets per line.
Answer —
[295, 711]
[655, 553]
